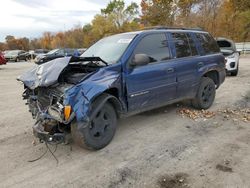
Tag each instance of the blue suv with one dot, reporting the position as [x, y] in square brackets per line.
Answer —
[118, 76]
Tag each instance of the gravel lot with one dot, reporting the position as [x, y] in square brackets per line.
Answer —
[159, 148]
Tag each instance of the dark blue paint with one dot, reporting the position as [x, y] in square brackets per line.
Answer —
[143, 87]
[146, 86]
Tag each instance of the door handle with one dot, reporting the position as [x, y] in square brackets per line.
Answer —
[170, 70]
[200, 64]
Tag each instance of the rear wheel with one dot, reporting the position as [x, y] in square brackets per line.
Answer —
[205, 94]
[100, 130]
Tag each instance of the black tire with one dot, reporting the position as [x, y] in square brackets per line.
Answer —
[205, 94]
[17, 59]
[97, 134]
[235, 73]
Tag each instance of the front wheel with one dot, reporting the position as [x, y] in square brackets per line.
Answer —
[100, 130]
[205, 94]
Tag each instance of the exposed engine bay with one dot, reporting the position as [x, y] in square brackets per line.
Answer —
[46, 101]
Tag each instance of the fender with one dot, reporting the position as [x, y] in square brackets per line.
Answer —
[81, 96]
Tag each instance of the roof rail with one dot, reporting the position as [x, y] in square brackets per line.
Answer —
[165, 27]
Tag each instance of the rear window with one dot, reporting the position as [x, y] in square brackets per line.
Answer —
[224, 44]
[208, 43]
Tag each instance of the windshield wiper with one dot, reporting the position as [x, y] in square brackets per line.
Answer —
[92, 59]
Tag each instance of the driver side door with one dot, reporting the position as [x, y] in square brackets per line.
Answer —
[155, 83]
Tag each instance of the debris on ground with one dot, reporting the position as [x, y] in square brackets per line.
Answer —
[242, 114]
[196, 114]
[178, 180]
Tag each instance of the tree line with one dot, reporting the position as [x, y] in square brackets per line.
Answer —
[224, 18]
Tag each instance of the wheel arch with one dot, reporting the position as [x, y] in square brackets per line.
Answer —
[110, 95]
[214, 75]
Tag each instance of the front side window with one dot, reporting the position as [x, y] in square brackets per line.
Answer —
[182, 46]
[155, 46]
[208, 43]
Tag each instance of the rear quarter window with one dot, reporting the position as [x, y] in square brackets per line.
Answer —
[208, 43]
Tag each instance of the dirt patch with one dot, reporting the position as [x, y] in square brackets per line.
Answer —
[224, 168]
[178, 180]
[123, 176]
[247, 96]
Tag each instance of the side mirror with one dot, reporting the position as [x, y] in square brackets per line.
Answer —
[140, 59]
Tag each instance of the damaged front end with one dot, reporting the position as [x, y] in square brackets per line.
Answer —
[46, 91]
[47, 108]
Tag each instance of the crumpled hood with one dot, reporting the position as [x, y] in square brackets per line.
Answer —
[44, 75]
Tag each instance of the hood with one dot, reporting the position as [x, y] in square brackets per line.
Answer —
[44, 75]
[226, 52]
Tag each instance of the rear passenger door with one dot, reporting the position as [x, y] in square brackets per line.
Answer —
[187, 61]
[155, 83]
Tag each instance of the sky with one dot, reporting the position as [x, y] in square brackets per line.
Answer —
[30, 18]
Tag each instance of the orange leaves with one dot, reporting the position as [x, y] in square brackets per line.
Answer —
[196, 114]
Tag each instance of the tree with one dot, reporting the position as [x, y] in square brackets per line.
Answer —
[119, 13]
[185, 11]
[158, 12]
[46, 40]
[11, 42]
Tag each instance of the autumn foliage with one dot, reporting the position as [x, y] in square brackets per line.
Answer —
[224, 18]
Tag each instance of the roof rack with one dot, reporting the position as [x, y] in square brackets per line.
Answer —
[165, 27]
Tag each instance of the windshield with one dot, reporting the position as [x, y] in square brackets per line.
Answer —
[52, 51]
[110, 49]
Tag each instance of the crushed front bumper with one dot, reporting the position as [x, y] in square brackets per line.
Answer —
[44, 136]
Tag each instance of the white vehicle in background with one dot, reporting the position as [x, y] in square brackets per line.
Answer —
[232, 56]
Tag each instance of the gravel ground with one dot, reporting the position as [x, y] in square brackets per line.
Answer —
[159, 148]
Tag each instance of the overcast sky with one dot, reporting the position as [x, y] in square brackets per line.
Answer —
[30, 18]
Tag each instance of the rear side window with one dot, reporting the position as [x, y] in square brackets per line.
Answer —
[184, 45]
[192, 45]
[155, 46]
[208, 43]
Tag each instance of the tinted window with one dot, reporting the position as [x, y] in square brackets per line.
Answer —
[208, 43]
[155, 46]
[181, 45]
